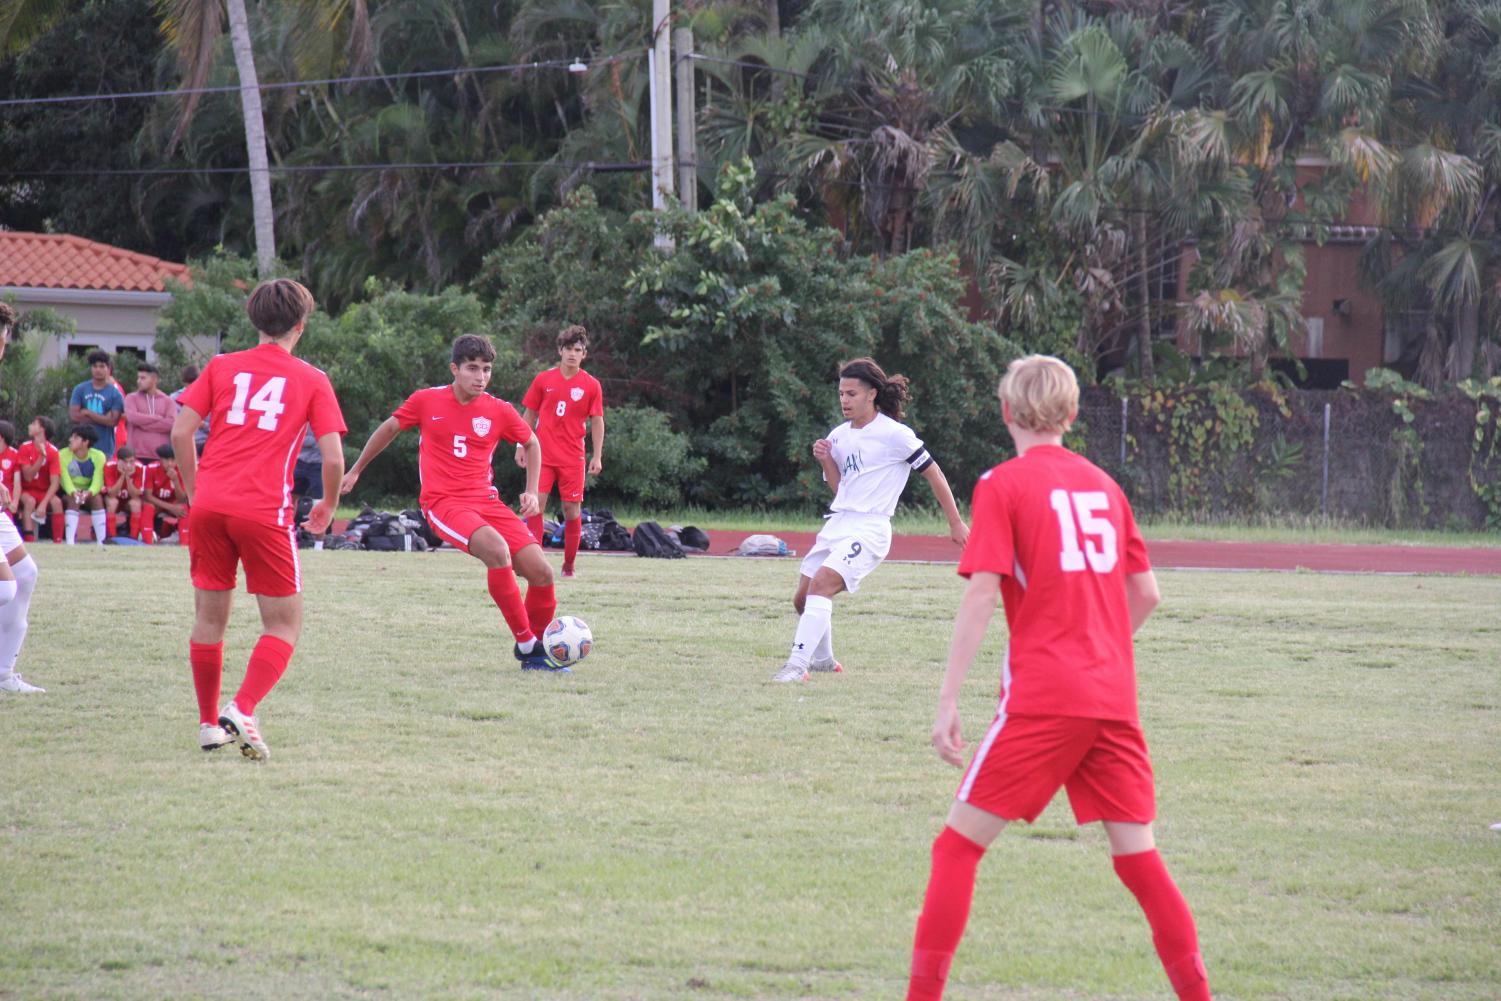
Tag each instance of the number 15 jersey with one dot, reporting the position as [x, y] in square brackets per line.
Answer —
[258, 402]
[1060, 533]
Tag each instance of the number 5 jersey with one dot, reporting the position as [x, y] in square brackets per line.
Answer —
[1060, 533]
[258, 403]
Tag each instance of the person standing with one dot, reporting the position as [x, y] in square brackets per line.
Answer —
[149, 411]
[18, 573]
[1055, 539]
[98, 403]
[561, 403]
[260, 401]
[460, 427]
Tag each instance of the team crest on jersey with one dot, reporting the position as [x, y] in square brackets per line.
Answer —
[575, 394]
[481, 426]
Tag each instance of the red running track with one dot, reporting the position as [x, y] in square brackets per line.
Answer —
[1170, 555]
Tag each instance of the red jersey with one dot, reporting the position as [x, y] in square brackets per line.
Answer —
[458, 441]
[9, 460]
[563, 408]
[164, 485]
[1060, 533]
[258, 403]
[114, 482]
[37, 482]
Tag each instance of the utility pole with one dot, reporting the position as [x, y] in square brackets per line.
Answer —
[659, 68]
[682, 44]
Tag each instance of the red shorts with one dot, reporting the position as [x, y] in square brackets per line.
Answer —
[456, 521]
[1024, 759]
[37, 489]
[570, 481]
[220, 541]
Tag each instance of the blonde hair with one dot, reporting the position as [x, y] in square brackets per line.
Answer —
[1042, 393]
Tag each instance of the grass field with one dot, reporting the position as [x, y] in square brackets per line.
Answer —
[666, 824]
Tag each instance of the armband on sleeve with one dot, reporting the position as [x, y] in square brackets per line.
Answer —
[920, 459]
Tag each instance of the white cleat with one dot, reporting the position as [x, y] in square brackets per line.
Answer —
[830, 666]
[15, 683]
[245, 730]
[792, 672]
[212, 736]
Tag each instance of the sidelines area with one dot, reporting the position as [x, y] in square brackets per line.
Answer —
[1178, 555]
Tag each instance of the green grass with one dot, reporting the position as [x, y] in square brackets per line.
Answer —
[665, 824]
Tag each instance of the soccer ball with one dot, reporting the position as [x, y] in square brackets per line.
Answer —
[567, 640]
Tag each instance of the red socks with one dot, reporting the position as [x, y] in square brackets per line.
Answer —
[57, 527]
[1172, 923]
[541, 603]
[507, 597]
[538, 531]
[268, 661]
[207, 660]
[573, 528]
[945, 911]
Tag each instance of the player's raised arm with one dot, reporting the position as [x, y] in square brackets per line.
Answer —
[184, 449]
[958, 530]
[379, 440]
[823, 452]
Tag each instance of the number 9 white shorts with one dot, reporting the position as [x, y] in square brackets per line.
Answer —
[851, 545]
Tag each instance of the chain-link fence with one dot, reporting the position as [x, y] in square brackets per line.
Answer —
[1205, 453]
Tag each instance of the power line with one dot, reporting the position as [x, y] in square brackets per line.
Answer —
[302, 168]
[293, 84]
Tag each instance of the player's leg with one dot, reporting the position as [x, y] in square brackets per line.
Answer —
[97, 519]
[1113, 784]
[274, 575]
[211, 610]
[70, 520]
[28, 516]
[571, 493]
[956, 856]
[112, 514]
[14, 613]
[546, 476]
[814, 623]
[55, 508]
[541, 595]
[137, 523]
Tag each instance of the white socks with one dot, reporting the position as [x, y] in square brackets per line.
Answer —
[7, 591]
[824, 651]
[97, 518]
[13, 615]
[70, 526]
[818, 613]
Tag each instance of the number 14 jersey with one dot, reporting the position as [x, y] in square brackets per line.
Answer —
[1061, 534]
[258, 402]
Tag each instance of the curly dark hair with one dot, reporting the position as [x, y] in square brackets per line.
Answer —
[891, 390]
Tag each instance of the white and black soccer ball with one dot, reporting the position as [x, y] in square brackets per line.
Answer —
[567, 640]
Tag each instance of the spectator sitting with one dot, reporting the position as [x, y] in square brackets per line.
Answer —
[10, 470]
[83, 483]
[148, 411]
[125, 483]
[165, 494]
[41, 479]
[98, 403]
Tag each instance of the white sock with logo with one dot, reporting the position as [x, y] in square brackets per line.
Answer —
[824, 651]
[818, 613]
[96, 518]
[70, 526]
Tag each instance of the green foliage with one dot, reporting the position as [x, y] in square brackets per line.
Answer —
[28, 390]
[1485, 448]
[1209, 430]
[1405, 493]
[646, 462]
[213, 308]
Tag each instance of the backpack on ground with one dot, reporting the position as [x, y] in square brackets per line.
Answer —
[650, 539]
[606, 535]
[418, 521]
[694, 538]
[764, 545]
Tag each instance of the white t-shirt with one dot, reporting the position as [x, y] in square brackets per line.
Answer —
[874, 463]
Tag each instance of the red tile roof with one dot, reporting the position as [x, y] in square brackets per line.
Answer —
[54, 260]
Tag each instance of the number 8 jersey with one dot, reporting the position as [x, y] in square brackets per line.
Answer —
[1060, 533]
[258, 402]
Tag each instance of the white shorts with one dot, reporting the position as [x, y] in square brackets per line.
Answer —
[10, 536]
[851, 545]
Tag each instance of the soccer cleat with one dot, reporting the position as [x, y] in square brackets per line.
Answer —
[211, 736]
[15, 683]
[830, 666]
[792, 672]
[245, 730]
[537, 660]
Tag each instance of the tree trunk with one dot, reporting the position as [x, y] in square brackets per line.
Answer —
[1144, 291]
[1466, 342]
[773, 18]
[255, 139]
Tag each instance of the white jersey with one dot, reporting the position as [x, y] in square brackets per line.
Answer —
[874, 463]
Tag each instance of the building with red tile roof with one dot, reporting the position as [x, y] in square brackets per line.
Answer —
[112, 294]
